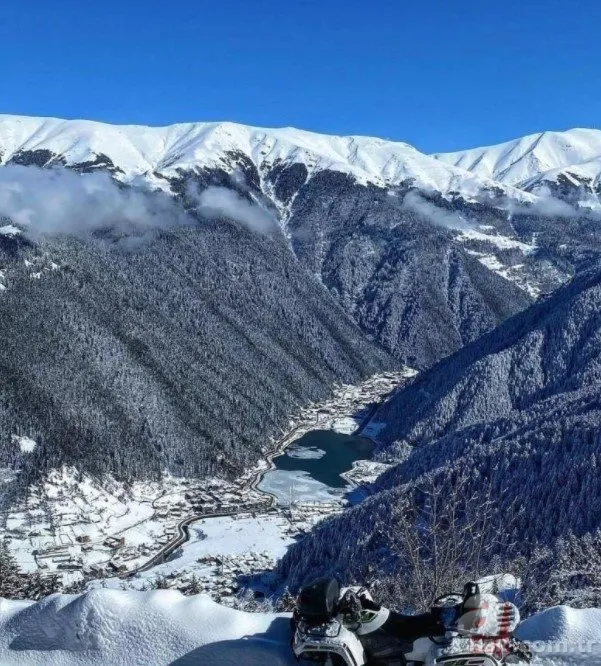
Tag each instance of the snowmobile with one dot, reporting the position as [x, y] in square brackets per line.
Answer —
[345, 627]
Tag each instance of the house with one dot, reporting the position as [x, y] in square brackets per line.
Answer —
[117, 567]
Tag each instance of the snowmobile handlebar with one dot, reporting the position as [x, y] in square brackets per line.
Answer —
[456, 598]
[470, 590]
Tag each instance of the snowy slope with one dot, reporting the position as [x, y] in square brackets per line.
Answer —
[138, 628]
[144, 151]
[562, 623]
[525, 160]
[140, 151]
[109, 627]
[564, 635]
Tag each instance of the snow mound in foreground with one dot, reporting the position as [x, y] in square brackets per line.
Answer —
[562, 623]
[114, 627]
[564, 636]
[119, 627]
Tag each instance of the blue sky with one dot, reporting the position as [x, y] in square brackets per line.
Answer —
[441, 75]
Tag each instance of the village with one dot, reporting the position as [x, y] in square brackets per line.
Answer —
[232, 557]
[76, 529]
[84, 531]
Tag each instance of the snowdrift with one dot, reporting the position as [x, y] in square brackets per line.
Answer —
[163, 627]
[117, 627]
[562, 623]
[564, 635]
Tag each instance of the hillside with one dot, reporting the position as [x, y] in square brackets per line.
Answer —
[522, 399]
[363, 214]
[156, 270]
[516, 413]
[184, 353]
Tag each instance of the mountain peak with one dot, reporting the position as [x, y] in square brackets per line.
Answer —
[521, 161]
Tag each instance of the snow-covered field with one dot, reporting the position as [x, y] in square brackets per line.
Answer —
[219, 551]
[232, 535]
[113, 628]
[75, 526]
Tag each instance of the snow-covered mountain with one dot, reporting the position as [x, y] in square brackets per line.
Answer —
[516, 169]
[553, 159]
[138, 151]
[363, 214]
[298, 175]
[411, 255]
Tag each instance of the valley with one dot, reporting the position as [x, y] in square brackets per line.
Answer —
[300, 334]
[162, 329]
[97, 532]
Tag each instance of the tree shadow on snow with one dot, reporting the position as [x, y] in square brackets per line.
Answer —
[271, 648]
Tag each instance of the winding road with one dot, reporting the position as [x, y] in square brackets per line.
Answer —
[183, 532]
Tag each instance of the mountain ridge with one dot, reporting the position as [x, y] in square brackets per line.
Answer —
[334, 197]
[511, 164]
[538, 160]
[138, 150]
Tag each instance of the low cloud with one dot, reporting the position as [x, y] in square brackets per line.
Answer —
[414, 203]
[56, 201]
[545, 205]
[60, 201]
[216, 202]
